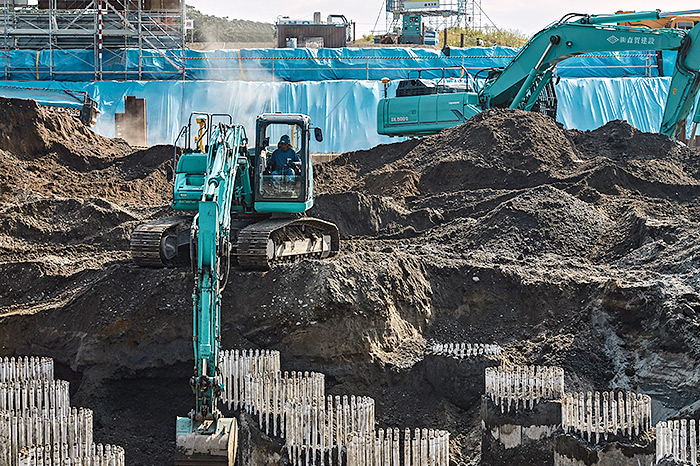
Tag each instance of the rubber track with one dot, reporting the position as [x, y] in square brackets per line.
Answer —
[252, 240]
[146, 238]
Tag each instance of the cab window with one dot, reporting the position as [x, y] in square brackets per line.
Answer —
[283, 171]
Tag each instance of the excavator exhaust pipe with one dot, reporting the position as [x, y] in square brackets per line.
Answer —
[202, 447]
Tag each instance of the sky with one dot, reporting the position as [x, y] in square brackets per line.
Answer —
[528, 17]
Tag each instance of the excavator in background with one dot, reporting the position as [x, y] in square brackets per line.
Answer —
[677, 22]
[422, 106]
[240, 213]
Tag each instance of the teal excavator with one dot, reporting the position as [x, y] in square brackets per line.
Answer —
[242, 213]
[422, 106]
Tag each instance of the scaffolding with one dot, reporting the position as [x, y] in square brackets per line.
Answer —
[437, 15]
[117, 32]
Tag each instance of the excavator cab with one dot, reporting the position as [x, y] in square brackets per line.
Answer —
[283, 180]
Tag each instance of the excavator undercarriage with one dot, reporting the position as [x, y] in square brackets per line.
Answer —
[257, 245]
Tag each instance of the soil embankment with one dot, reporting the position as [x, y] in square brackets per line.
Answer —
[572, 248]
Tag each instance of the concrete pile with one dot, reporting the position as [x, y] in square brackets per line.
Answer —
[38, 427]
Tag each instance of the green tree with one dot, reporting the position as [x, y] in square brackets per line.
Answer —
[208, 28]
[489, 36]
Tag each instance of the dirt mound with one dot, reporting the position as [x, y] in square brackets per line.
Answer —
[507, 149]
[65, 221]
[121, 179]
[619, 140]
[539, 221]
[513, 149]
[566, 247]
[502, 140]
[348, 171]
[47, 151]
[29, 130]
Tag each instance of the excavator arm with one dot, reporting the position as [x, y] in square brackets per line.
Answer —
[211, 226]
[518, 85]
[205, 437]
[684, 85]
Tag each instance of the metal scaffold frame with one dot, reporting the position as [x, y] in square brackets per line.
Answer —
[117, 31]
[465, 14]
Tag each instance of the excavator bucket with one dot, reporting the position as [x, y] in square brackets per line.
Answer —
[207, 445]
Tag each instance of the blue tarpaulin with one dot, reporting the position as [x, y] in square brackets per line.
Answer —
[589, 103]
[345, 110]
[304, 64]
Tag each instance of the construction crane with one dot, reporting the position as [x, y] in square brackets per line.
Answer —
[244, 213]
[422, 106]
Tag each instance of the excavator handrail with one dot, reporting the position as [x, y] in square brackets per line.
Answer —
[466, 75]
[184, 130]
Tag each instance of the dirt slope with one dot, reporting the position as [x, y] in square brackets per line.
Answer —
[569, 248]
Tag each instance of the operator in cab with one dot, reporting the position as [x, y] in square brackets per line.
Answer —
[284, 162]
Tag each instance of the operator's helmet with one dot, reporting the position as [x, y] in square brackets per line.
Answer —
[285, 140]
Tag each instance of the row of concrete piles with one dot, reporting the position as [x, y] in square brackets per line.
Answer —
[39, 427]
[528, 418]
[338, 430]
[320, 429]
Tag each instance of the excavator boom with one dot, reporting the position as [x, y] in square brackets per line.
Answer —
[205, 436]
[684, 85]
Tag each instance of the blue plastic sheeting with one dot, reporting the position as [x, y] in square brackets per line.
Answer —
[590, 103]
[49, 96]
[341, 63]
[306, 64]
[79, 65]
[345, 110]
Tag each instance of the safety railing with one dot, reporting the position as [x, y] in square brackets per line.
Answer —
[515, 388]
[595, 416]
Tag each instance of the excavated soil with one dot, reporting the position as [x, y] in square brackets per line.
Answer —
[572, 248]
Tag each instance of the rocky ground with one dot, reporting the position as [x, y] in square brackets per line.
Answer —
[572, 248]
